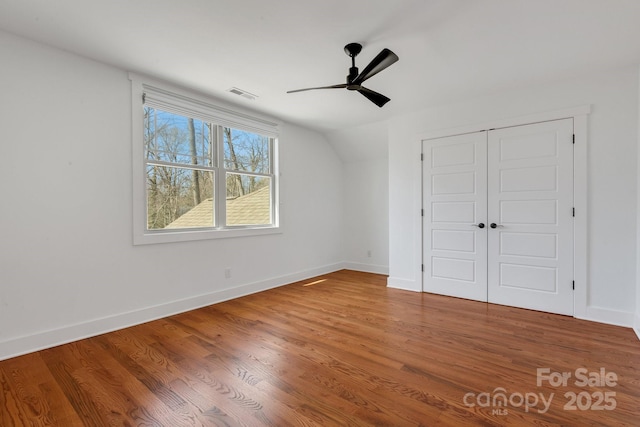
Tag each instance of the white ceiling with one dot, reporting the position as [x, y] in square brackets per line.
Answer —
[449, 49]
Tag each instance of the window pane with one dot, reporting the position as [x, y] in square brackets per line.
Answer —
[173, 138]
[248, 200]
[179, 198]
[246, 151]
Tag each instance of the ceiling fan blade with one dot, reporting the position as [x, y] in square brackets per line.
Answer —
[375, 97]
[384, 59]
[340, 86]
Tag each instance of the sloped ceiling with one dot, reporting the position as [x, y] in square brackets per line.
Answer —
[448, 49]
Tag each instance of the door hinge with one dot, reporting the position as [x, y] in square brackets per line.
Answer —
[421, 212]
[574, 138]
[422, 157]
[573, 212]
[144, 97]
[423, 268]
[573, 285]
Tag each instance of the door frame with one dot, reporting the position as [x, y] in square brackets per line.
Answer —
[579, 115]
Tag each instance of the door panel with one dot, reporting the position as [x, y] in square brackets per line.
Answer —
[450, 212]
[542, 178]
[453, 240]
[528, 277]
[523, 212]
[528, 145]
[453, 269]
[454, 183]
[530, 200]
[537, 245]
[455, 202]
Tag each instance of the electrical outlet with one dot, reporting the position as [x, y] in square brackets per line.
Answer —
[227, 273]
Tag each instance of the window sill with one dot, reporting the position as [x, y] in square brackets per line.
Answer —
[150, 238]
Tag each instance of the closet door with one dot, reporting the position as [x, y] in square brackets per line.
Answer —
[530, 204]
[455, 216]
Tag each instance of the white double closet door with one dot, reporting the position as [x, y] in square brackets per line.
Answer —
[498, 216]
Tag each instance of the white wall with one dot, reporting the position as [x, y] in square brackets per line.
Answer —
[366, 215]
[612, 179]
[363, 150]
[68, 267]
[636, 322]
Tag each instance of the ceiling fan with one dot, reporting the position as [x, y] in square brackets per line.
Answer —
[354, 80]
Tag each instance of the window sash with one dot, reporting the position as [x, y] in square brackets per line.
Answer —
[220, 174]
[180, 165]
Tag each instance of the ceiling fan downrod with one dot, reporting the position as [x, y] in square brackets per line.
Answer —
[352, 50]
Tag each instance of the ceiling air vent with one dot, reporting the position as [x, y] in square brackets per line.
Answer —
[243, 93]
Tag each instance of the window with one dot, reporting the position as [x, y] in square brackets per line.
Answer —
[207, 171]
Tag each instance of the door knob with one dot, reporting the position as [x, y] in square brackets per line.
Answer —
[494, 225]
[481, 225]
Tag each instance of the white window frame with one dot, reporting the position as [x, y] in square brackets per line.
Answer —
[189, 104]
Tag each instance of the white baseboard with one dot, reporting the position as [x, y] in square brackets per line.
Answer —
[51, 338]
[367, 268]
[404, 284]
[605, 315]
[54, 337]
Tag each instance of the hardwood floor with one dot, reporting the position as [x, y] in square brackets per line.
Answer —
[340, 349]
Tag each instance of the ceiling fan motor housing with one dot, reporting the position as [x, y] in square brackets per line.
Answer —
[353, 73]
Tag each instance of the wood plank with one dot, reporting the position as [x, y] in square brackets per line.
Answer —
[339, 349]
[29, 381]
